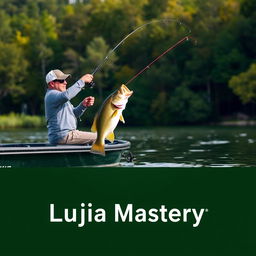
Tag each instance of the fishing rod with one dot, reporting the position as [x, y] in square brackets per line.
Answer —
[186, 38]
[164, 21]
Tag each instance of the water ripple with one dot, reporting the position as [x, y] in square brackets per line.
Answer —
[147, 164]
[197, 150]
[214, 142]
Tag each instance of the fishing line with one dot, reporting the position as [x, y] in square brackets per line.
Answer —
[164, 21]
[186, 38]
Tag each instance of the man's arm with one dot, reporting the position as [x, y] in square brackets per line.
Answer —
[79, 110]
[71, 92]
[87, 102]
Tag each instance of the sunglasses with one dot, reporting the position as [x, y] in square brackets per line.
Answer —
[59, 80]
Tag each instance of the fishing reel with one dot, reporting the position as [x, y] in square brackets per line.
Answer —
[90, 85]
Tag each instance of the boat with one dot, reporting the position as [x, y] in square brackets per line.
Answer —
[47, 155]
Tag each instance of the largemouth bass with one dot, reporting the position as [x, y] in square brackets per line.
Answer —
[106, 120]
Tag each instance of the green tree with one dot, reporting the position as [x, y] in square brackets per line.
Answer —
[54, 34]
[40, 33]
[6, 32]
[12, 70]
[247, 31]
[159, 109]
[72, 30]
[216, 54]
[154, 8]
[187, 107]
[113, 19]
[96, 52]
[244, 84]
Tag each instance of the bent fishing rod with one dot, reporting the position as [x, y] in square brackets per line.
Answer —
[164, 21]
[184, 39]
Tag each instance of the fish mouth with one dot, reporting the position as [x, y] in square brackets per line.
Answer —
[118, 106]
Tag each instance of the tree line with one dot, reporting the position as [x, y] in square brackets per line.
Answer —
[208, 78]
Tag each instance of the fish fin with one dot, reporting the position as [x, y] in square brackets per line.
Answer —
[115, 113]
[94, 124]
[122, 118]
[128, 94]
[111, 137]
[125, 87]
[98, 148]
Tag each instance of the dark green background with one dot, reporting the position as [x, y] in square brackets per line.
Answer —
[227, 229]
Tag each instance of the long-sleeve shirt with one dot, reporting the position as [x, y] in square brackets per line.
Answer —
[61, 115]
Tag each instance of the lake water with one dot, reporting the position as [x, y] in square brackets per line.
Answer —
[173, 146]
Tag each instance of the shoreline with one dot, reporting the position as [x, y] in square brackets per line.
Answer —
[237, 123]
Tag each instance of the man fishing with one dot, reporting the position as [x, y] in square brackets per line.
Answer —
[61, 115]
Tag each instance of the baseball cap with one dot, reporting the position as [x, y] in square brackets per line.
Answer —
[56, 74]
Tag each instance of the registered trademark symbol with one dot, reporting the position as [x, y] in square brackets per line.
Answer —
[206, 210]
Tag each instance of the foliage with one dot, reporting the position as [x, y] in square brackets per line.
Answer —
[20, 120]
[187, 107]
[191, 84]
[244, 84]
[12, 70]
[96, 51]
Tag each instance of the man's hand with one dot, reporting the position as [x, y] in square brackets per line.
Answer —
[87, 78]
[88, 101]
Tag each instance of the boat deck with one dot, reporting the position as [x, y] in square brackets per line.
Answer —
[41, 148]
[47, 155]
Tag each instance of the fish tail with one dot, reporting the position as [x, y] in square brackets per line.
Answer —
[98, 148]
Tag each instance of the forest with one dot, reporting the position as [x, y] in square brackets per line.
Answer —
[207, 79]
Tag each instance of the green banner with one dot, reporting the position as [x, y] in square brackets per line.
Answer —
[128, 211]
